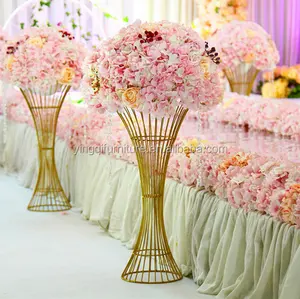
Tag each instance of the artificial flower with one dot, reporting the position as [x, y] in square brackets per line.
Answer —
[131, 97]
[36, 41]
[42, 57]
[246, 42]
[67, 75]
[154, 67]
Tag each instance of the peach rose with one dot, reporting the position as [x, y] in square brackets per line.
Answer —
[277, 72]
[131, 97]
[67, 75]
[10, 62]
[249, 57]
[268, 76]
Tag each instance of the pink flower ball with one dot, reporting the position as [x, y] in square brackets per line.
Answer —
[246, 42]
[43, 57]
[153, 68]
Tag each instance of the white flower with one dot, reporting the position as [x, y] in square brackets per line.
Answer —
[195, 57]
[173, 59]
[127, 49]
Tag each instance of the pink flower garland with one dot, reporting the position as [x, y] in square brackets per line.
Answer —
[275, 116]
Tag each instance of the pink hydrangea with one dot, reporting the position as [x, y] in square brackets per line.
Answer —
[153, 67]
[43, 57]
[246, 42]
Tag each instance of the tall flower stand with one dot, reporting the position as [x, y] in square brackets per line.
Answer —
[48, 195]
[241, 78]
[152, 261]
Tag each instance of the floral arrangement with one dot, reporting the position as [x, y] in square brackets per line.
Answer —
[153, 67]
[214, 14]
[43, 57]
[254, 183]
[246, 42]
[279, 117]
[246, 180]
[286, 83]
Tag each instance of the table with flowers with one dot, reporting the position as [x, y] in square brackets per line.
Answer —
[216, 202]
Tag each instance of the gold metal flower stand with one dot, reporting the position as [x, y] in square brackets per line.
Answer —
[152, 261]
[48, 195]
[241, 78]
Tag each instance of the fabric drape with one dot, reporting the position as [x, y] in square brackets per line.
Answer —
[280, 18]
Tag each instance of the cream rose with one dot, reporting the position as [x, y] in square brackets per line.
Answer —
[67, 75]
[131, 97]
[195, 57]
[36, 41]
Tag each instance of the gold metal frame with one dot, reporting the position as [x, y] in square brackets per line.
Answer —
[241, 78]
[48, 195]
[152, 261]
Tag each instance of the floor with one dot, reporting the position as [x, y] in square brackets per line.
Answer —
[61, 256]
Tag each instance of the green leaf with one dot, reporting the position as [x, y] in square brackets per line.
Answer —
[88, 33]
[294, 95]
[79, 12]
[40, 9]
[35, 23]
[125, 19]
[67, 13]
[74, 26]
[22, 25]
[109, 16]
[48, 3]
[217, 9]
[48, 24]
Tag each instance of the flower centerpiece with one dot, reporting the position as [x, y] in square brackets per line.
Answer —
[214, 14]
[43, 57]
[45, 63]
[283, 82]
[151, 74]
[245, 48]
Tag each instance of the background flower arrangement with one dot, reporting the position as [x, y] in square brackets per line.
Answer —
[246, 42]
[153, 67]
[213, 14]
[43, 57]
[286, 83]
[278, 117]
